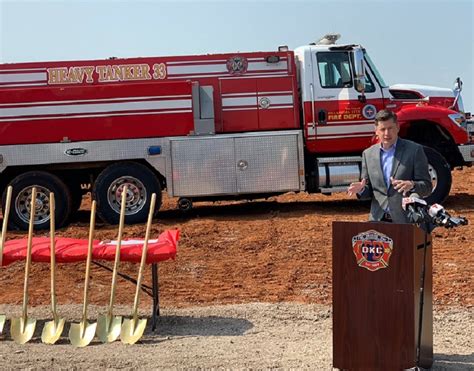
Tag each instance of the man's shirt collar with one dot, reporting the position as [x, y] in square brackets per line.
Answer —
[392, 148]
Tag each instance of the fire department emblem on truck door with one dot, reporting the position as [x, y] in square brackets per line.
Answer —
[369, 111]
[237, 65]
[372, 250]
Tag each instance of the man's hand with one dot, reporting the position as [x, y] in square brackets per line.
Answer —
[402, 186]
[356, 187]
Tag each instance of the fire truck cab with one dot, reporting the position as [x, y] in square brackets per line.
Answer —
[342, 90]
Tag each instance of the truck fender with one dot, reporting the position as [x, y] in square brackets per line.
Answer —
[438, 115]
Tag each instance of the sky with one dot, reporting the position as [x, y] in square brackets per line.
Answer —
[426, 42]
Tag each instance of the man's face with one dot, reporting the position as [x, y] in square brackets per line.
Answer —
[387, 132]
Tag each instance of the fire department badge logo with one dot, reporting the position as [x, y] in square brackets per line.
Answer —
[372, 250]
[237, 65]
[369, 111]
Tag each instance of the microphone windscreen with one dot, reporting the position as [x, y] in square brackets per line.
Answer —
[412, 200]
[435, 209]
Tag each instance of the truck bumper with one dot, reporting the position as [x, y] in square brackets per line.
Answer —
[470, 128]
[467, 150]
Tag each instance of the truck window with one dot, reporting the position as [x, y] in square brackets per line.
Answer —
[334, 70]
[375, 71]
[369, 84]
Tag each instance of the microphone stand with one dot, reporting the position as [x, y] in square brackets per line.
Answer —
[422, 294]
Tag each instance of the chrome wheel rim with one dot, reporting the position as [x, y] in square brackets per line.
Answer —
[136, 195]
[433, 176]
[42, 204]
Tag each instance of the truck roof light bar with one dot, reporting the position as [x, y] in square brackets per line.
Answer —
[328, 39]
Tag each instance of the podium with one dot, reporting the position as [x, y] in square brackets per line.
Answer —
[377, 270]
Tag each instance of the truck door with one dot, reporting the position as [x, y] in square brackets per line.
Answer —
[343, 121]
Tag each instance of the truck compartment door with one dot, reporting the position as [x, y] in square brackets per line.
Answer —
[252, 104]
[276, 104]
[239, 105]
[236, 164]
[267, 164]
[202, 166]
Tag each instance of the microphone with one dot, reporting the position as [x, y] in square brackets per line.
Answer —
[442, 218]
[437, 211]
[417, 208]
[432, 216]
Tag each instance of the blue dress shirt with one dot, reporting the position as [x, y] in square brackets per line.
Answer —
[386, 161]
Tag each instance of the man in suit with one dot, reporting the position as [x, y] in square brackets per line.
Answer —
[391, 169]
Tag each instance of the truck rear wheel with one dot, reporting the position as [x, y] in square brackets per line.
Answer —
[21, 200]
[141, 183]
[440, 173]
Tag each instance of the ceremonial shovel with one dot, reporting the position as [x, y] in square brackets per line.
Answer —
[4, 234]
[108, 326]
[81, 334]
[132, 329]
[52, 330]
[22, 328]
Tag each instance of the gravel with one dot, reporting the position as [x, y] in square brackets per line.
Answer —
[255, 335]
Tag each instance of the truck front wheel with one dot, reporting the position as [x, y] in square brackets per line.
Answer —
[21, 200]
[440, 173]
[141, 183]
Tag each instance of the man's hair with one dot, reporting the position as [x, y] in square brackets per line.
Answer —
[385, 115]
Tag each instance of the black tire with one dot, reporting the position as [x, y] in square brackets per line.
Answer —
[185, 204]
[141, 182]
[440, 172]
[21, 196]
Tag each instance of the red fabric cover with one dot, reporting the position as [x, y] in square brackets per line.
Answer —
[70, 250]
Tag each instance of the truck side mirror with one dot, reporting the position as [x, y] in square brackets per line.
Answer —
[359, 80]
[458, 84]
[359, 84]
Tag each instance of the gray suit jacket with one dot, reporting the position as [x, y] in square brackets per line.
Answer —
[409, 163]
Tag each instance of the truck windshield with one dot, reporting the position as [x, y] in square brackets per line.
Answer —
[377, 74]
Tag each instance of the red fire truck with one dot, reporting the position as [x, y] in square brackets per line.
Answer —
[208, 127]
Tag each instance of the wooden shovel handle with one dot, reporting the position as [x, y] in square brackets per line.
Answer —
[88, 262]
[6, 213]
[28, 252]
[117, 251]
[144, 255]
[52, 223]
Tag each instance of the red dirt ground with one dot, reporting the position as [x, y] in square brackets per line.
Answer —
[260, 251]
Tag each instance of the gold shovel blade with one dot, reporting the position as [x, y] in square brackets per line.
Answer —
[80, 338]
[106, 331]
[132, 331]
[3, 318]
[52, 331]
[17, 324]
